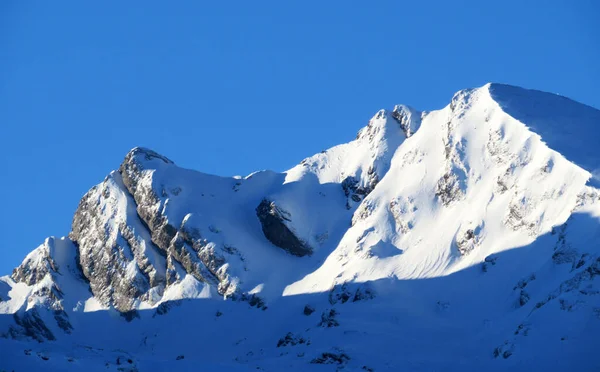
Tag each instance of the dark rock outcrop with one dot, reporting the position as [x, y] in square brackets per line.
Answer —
[29, 324]
[291, 339]
[331, 358]
[274, 225]
[328, 319]
[308, 310]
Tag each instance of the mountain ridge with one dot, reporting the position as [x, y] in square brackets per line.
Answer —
[417, 196]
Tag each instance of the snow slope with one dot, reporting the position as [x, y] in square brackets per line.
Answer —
[467, 237]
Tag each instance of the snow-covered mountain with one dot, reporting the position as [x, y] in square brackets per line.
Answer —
[463, 238]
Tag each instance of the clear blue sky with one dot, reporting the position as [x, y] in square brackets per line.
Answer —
[232, 87]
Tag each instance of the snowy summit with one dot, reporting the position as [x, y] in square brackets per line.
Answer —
[462, 238]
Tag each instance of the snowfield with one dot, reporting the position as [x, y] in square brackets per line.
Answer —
[466, 238]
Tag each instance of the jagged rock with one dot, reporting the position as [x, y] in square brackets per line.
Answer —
[524, 282]
[488, 261]
[112, 246]
[254, 301]
[356, 193]
[29, 324]
[165, 307]
[522, 330]
[62, 319]
[308, 310]
[523, 298]
[274, 222]
[184, 244]
[130, 315]
[344, 293]
[408, 118]
[331, 358]
[505, 350]
[35, 266]
[293, 340]
[328, 319]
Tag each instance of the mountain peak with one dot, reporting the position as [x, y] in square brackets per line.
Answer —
[461, 217]
[146, 154]
[566, 126]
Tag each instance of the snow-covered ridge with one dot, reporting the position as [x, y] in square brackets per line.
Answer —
[443, 217]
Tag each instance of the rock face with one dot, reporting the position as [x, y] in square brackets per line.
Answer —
[45, 271]
[36, 266]
[116, 253]
[128, 249]
[274, 225]
[181, 244]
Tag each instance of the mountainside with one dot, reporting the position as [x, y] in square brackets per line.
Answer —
[467, 237]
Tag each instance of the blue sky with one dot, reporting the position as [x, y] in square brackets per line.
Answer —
[233, 87]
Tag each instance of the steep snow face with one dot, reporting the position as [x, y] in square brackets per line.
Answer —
[471, 182]
[566, 126]
[476, 226]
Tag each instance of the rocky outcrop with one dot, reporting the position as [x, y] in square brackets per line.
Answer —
[29, 324]
[41, 271]
[408, 118]
[114, 247]
[274, 222]
[356, 193]
[182, 244]
[291, 339]
[35, 266]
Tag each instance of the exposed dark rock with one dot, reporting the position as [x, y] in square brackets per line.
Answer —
[568, 305]
[32, 271]
[581, 262]
[254, 301]
[345, 293]
[274, 225]
[37, 266]
[328, 319]
[165, 307]
[523, 298]
[130, 315]
[408, 119]
[105, 254]
[488, 261]
[292, 340]
[522, 330]
[524, 282]
[331, 358]
[356, 193]
[30, 325]
[308, 310]
[62, 319]
[180, 244]
[564, 255]
[505, 350]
